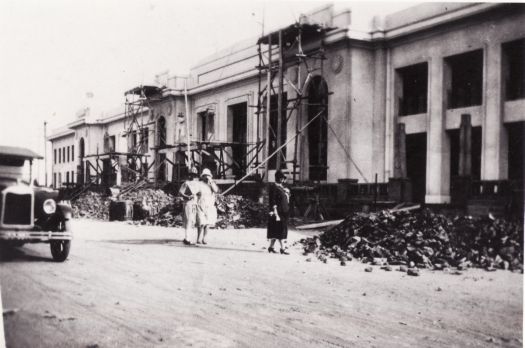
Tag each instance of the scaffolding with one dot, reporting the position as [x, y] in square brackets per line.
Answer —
[138, 107]
[295, 50]
[218, 156]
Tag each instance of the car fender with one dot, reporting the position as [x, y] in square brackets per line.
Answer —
[64, 211]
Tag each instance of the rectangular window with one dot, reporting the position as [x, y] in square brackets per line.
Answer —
[60, 155]
[513, 55]
[63, 155]
[205, 126]
[464, 79]
[73, 152]
[111, 144]
[68, 154]
[59, 179]
[67, 177]
[55, 179]
[414, 81]
[55, 156]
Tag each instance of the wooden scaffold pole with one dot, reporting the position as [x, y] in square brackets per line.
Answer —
[188, 138]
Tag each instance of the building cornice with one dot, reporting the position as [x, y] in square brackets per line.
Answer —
[433, 21]
[77, 123]
[60, 134]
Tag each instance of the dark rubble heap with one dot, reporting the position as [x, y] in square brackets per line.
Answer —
[239, 212]
[91, 205]
[423, 239]
[155, 199]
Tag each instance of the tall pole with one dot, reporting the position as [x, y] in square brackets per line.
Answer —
[268, 99]
[188, 140]
[280, 101]
[45, 153]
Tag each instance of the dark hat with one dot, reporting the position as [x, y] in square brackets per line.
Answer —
[279, 175]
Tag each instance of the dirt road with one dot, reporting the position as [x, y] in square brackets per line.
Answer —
[140, 287]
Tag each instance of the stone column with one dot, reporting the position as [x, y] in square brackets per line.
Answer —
[438, 144]
[379, 115]
[494, 154]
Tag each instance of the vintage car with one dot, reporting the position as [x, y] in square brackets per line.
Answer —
[29, 213]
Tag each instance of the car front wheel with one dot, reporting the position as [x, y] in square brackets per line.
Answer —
[60, 248]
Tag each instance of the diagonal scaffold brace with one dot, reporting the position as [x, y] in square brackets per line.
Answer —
[273, 153]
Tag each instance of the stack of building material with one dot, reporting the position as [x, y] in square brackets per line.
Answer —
[423, 239]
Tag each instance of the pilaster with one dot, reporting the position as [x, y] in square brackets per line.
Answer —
[438, 144]
[494, 151]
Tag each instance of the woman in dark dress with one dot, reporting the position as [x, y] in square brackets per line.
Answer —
[279, 197]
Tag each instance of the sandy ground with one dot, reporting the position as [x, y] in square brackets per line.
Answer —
[140, 287]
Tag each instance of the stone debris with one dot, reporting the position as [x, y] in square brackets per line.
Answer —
[422, 239]
[91, 205]
[413, 272]
[239, 212]
[158, 208]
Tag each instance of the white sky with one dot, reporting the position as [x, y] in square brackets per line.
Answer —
[54, 52]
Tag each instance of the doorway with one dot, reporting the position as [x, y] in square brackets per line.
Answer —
[237, 135]
[161, 174]
[109, 177]
[318, 129]
[272, 131]
[416, 157]
[516, 152]
[161, 132]
[475, 153]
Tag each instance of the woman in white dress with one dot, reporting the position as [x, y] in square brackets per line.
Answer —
[189, 191]
[206, 210]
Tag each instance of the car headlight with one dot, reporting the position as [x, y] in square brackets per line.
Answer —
[50, 206]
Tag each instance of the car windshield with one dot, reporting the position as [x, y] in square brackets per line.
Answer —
[11, 161]
[15, 168]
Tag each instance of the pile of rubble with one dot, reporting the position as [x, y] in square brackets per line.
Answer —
[158, 208]
[91, 205]
[422, 239]
[239, 212]
[154, 200]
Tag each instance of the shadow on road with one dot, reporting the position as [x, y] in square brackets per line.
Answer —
[177, 243]
[15, 254]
